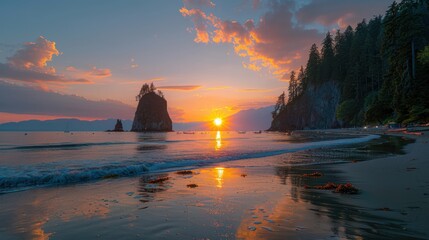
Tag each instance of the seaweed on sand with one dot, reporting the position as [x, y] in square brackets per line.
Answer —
[347, 188]
[314, 174]
[185, 172]
[159, 180]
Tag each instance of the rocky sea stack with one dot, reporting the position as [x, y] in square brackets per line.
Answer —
[151, 114]
[118, 126]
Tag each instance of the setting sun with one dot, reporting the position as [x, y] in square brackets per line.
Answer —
[217, 122]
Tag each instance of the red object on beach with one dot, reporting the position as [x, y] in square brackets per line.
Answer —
[414, 133]
[397, 130]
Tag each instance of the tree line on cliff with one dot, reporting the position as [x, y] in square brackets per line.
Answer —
[381, 68]
[146, 88]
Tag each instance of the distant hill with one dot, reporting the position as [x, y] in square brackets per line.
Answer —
[245, 120]
[251, 119]
[65, 124]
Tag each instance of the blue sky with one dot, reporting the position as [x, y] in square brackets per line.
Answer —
[116, 46]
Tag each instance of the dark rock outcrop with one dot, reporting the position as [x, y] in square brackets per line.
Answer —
[118, 126]
[152, 115]
[314, 109]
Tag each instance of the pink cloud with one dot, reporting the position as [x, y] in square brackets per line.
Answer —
[176, 114]
[340, 13]
[92, 73]
[18, 99]
[18, 74]
[181, 88]
[30, 64]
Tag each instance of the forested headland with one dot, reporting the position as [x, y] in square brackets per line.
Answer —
[375, 73]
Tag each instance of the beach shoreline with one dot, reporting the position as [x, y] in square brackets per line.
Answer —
[397, 185]
[260, 198]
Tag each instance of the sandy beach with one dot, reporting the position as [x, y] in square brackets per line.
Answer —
[261, 198]
[397, 186]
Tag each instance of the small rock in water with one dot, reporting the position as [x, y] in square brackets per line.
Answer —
[251, 228]
[347, 188]
[130, 193]
[267, 228]
[314, 174]
[269, 220]
[257, 222]
[383, 209]
[254, 216]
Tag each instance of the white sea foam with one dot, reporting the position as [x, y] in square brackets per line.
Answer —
[13, 178]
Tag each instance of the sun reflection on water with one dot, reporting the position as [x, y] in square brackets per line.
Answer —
[219, 176]
[218, 141]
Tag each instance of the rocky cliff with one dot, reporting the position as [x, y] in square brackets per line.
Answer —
[118, 126]
[314, 109]
[152, 115]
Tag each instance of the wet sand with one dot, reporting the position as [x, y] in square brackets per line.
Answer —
[248, 199]
[399, 185]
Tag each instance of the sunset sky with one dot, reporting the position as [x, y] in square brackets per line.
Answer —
[88, 59]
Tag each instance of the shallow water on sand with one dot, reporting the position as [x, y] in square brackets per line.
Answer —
[260, 197]
[38, 159]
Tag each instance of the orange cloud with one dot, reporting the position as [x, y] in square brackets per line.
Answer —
[35, 56]
[181, 88]
[256, 90]
[150, 80]
[252, 66]
[274, 43]
[199, 18]
[93, 73]
[217, 88]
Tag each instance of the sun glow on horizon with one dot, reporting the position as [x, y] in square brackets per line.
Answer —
[217, 122]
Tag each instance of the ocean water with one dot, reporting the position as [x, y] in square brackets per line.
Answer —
[40, 159]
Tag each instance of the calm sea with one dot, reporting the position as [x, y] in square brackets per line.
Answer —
[38, 159]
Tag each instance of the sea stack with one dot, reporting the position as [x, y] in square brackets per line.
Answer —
[118, 126]
[151, 114]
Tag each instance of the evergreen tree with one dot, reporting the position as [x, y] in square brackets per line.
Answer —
[292, 87]
[313, 66]
[280, 104]
[327, 61]
[146, 88]
[300, 80]
[382, 67]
